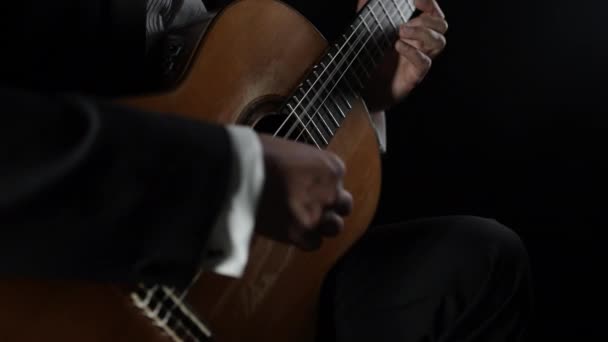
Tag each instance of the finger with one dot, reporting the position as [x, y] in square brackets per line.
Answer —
[430, 7]
[336, 165]
[434, 23]
[344, 203]
[421, 62]
[424, 39]
[331, 224]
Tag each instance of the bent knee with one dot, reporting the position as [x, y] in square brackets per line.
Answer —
[481, 237]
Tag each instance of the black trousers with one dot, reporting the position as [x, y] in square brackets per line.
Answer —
[452, 278]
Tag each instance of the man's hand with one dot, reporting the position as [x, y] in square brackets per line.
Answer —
[303, 199]
[420, 41]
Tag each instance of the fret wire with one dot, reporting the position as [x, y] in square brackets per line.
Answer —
[344, 73]
[403, 17]
[341, 63]
[380, 25]
[305, 113]
[292, 109]
[358, 52]
[321, 105]
[380, 50]
[357, 80]
[320, 91]
[369, 56]
[327, 108]
[303, 126]
[362, 66]
[367, 51]
[399, 14]
[331, 115]
[390, 20]
[335, 104]
[321, 117]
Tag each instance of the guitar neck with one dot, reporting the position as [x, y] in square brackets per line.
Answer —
[323, 100]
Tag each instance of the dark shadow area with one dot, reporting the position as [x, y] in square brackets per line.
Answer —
[511, 123]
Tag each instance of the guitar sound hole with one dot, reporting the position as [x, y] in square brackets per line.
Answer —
[269, 124]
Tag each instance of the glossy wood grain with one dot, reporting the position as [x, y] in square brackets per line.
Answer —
[253, 50]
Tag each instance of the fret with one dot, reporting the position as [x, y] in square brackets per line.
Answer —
[324, 95]
[319, 100]
[316, 113]
[345, 72]
[292, 125]
[399, 11]
[350, 89]
[337, 106]
[388, 15]
[316, 134]
[327, 104]
[361, 65]
[340, 91]
[345, 106]
[378, 47]
[379, 23]
[331, 115]
[305, 105]
[370, 57]
[316, 109]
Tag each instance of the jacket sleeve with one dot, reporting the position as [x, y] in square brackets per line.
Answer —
[96, 191]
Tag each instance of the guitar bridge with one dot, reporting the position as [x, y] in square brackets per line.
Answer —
[168, 312]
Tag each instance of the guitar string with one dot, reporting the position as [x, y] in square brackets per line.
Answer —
[293, 109]
[363, 19]
[389, 17]
[319, 79]
[337, 67]
[171, 309]
[364, 45]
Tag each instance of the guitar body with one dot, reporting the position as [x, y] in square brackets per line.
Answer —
[252, 56]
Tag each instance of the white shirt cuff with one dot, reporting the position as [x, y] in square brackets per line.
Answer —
[227, 249]
[379, 123]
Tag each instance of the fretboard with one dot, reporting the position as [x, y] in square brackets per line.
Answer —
[319, 105]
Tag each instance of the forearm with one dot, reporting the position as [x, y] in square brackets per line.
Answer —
[98, 191]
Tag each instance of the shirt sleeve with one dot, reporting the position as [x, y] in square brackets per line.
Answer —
[227, 248]
[379, 123]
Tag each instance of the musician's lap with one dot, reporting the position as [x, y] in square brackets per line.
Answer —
[462, 278]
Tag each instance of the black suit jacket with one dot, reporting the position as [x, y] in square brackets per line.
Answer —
[88, 189]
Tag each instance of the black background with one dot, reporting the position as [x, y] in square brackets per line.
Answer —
[510, 123]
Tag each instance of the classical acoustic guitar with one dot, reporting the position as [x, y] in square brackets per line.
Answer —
[257, 63]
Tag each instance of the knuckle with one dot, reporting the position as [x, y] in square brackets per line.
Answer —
[427, 62]
[442, 41]
[336, 166]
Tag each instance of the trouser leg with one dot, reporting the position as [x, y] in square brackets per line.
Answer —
[438, 279]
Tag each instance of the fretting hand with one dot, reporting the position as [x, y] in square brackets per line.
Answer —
[404, 67]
